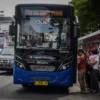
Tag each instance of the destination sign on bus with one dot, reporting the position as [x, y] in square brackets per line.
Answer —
[43, 13]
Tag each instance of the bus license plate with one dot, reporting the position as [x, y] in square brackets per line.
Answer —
[41, 83]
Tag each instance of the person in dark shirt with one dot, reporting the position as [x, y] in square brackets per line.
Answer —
[88, 72]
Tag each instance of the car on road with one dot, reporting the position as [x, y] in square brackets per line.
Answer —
[7, 58]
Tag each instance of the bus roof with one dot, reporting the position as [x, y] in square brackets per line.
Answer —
[20, 9]
[23, 5]
[90, 35]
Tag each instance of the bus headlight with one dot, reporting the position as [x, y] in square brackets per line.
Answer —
[65, 67]
[20, 65]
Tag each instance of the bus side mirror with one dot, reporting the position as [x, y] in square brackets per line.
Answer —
[11, 30]
[76, 31]
[13, 38]
[76, 28]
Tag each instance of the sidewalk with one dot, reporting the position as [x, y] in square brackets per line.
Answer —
[74, 89]
[74, 94]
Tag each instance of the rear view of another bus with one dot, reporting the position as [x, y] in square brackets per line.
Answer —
[45, 45]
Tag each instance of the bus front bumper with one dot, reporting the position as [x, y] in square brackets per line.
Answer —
[63, 78]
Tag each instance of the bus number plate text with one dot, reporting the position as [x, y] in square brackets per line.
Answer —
[41, 83]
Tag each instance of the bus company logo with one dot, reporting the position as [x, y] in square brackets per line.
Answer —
[42, 62]
[42, 21]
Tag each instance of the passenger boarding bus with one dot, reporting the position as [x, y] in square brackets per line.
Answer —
[91, 42]
[45, 45]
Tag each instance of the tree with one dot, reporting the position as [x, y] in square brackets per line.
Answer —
[88, 13]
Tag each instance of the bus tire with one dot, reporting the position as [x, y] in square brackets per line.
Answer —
[66, 89]
[25, 85]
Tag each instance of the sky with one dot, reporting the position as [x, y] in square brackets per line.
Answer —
[8, 6]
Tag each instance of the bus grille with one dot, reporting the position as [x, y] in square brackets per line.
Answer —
[42, 68]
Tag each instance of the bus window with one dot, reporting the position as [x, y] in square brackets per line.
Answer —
[43, 33]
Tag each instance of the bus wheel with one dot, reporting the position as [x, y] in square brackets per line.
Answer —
[67, 90]
[25, 85]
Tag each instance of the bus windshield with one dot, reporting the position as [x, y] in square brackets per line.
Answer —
[44, 32]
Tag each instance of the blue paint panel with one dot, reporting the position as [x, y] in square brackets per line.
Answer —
[63, 78]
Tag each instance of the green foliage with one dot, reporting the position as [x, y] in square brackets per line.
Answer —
[88, 12]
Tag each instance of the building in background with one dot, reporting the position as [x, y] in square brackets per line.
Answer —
[90, 42]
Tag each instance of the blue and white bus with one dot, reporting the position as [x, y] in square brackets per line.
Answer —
[45, 45]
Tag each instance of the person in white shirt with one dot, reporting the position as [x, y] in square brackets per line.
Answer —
[94, 63]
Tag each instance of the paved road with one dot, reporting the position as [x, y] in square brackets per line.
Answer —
[9, 91]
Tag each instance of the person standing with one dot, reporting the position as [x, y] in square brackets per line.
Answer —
[81, 70]
[94, 63]
[88, 71]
